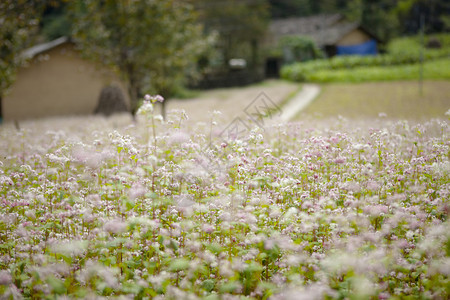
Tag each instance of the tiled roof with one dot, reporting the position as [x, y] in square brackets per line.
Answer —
[305, 25]
[331, 35]
[323, 29]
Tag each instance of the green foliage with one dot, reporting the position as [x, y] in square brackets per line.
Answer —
[412, 44]
[179, 264]
[298, 48]
[56, 23]
[152, 43]
[437, 69]
[18, 24]
[240, 26]
[404, 55]
[384, 18]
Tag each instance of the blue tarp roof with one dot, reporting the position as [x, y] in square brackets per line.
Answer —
[367, 48]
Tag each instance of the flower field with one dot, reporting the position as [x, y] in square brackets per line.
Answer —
[109, 208]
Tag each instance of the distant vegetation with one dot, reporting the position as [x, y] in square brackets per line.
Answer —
[401, 62]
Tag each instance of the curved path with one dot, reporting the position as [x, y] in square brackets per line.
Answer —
[232, 102]
[299, 101]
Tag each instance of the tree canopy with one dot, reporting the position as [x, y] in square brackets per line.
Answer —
[19, 20]
[152, 43]
[385, 18]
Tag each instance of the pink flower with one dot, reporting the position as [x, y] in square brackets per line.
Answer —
[136, 191]
[153, 99]
[5, 277]
[115, 226]
[208, 228]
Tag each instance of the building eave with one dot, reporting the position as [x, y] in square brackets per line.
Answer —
[44, 47]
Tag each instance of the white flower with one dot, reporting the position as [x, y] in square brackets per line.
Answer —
[145, 108]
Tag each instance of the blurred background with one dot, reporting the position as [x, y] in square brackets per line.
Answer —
[80, 57]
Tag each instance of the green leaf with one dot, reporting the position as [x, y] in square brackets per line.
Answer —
[172, 245]
[179, 264]
[57, 285]
[208, 285]
[229, 287]
[214, 248]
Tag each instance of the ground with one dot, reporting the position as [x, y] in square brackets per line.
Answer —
[395, 100]
[232, 101]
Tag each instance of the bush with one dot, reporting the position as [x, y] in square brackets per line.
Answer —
[438, 69]
[402, 52]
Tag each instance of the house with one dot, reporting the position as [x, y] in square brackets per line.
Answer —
[332, 33]
[57, 81]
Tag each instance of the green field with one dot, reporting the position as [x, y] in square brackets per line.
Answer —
[398, 100]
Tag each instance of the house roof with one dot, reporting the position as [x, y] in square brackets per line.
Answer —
[41, 48]
[304, 25]
[332, 35]
[322, 29]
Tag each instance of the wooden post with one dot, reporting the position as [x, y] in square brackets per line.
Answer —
[422, 47]
[1, 110]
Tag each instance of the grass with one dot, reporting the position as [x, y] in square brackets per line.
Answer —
[399, 100]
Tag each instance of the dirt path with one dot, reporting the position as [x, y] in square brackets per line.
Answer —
[232, 102]
[300, 101]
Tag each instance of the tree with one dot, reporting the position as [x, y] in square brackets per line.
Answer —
[434, 12]
[55, 20]
[151, 43]
[19, 21]
[289, 8]
[240, 24]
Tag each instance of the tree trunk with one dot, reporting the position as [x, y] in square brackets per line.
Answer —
[254, 46]
[133, 82]
[1, 109]
[132, 90]
[163, 109]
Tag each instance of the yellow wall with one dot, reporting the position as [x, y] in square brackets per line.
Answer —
[58, 82]
[355, 37]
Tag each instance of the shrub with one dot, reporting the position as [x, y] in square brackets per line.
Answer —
[404, 51]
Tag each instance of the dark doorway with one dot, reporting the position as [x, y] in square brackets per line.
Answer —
[330, 50]
[273, 67]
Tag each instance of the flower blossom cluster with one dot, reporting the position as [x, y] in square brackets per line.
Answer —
[311, 210]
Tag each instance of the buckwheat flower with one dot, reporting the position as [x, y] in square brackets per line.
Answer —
[352, 186]
[109, 276]
[158, 98]
[269, 244]
[153, 99]
[238, 264]
[372, 185]
[340, 160]
[178, 137]
[5, 277]
[441, 266]
[364, 288]
[145, 108]
[208, 228]
[225, 269]
[136, 191]
[115, 226]
[184, 200]
[69, 248]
